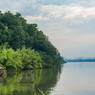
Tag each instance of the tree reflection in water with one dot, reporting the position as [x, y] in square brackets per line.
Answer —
[28, 82]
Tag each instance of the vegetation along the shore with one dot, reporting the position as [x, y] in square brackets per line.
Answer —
[23, 45]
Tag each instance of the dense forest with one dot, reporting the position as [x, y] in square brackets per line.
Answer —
[23, 45]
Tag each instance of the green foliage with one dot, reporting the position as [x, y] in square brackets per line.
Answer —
[20, 59]
[39, 51]
[30, 58]
[10, 59]
[41, 92]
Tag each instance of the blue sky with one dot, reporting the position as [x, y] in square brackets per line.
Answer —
[69, 24]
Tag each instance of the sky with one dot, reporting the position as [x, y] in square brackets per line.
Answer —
[69, 24]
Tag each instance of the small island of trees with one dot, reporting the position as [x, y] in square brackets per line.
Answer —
[23, 45]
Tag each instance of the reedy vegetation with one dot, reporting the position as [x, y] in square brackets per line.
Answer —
[23, 46]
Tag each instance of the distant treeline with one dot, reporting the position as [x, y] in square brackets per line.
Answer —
[23, 46]
[80, 60]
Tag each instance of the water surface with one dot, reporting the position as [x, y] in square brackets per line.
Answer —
[69, 79]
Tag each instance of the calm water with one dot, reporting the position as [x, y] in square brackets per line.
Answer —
[70, 79]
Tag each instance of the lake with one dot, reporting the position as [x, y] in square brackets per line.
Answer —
[69, 79]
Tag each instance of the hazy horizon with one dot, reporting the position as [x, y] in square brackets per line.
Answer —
[69, 24]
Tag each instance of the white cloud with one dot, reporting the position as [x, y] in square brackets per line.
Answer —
[53, 10]
[33, 18]
[69, 11]
[17, 5]
[74, 37]
[87, 38]
[73, 11]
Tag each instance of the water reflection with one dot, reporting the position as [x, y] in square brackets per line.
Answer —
[28, 82]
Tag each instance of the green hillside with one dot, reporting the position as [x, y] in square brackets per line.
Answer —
[23, 45]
